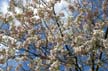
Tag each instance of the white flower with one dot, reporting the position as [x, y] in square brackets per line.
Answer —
[7, 38]
[77, 49]
[105, 43]
[1, 57]
[54, 64]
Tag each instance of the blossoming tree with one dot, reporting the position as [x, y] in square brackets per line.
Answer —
[54, 33]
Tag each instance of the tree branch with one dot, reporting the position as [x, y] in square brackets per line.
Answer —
[76, 65]
[57, 21]
[106, 33]
[100, 57]
[93, 61]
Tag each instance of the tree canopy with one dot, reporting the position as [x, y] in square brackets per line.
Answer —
[54, 35]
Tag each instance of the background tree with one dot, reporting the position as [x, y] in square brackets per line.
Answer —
[46, 35]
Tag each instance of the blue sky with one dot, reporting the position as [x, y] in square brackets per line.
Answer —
[4, 5]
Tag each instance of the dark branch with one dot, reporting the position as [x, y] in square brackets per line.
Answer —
[76, 65]
[100, 57]
[106, 33]
[57, 22]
